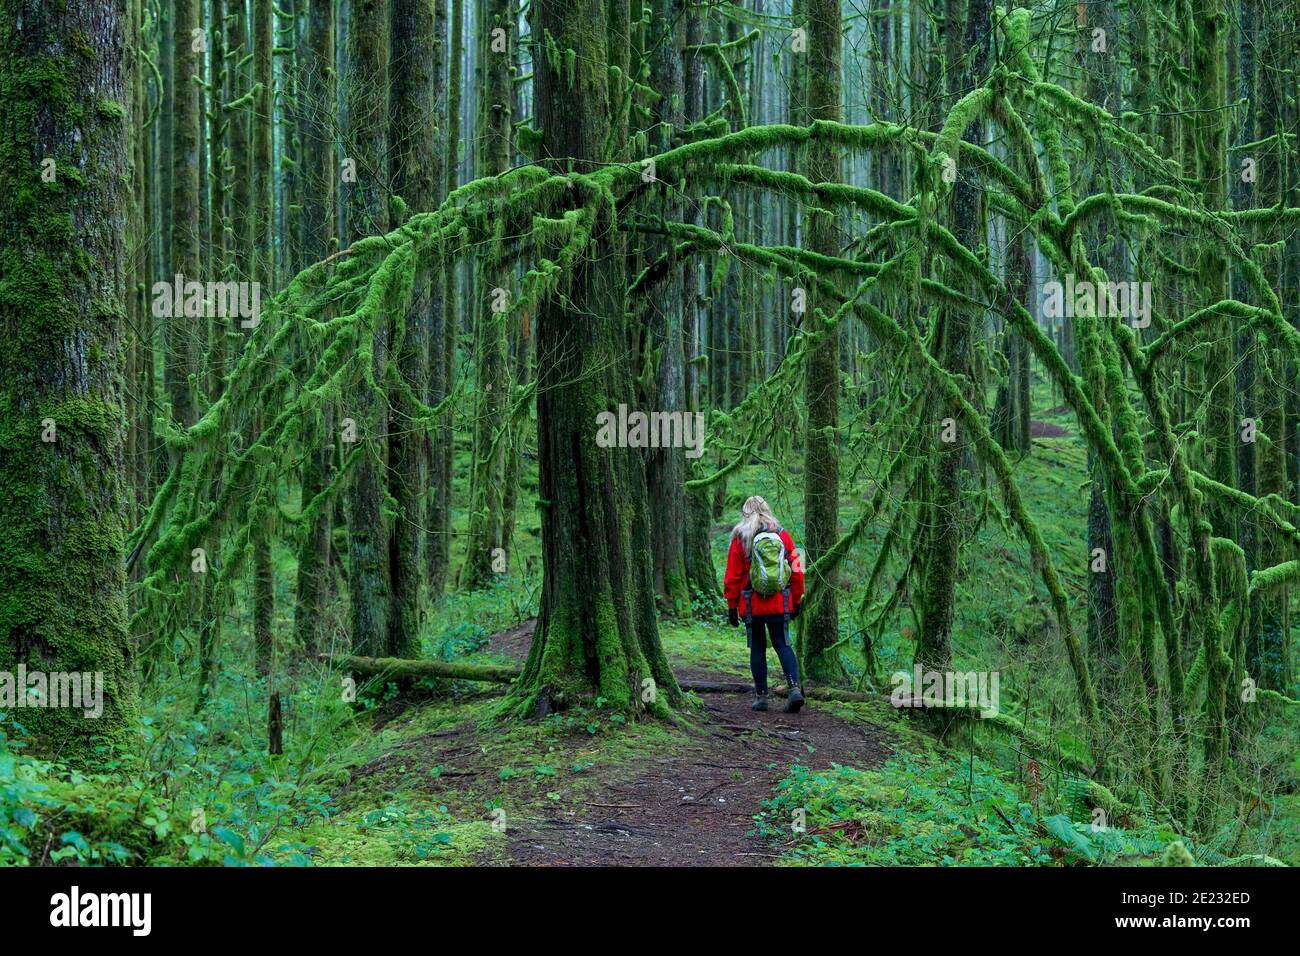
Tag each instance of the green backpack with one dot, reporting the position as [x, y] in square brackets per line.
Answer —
[769, 571]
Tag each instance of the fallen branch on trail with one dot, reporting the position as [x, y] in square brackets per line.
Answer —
[715, 686]
[833, 693]
[399, 667]
[420, 669]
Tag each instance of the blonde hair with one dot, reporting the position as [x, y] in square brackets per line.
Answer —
[755, 516]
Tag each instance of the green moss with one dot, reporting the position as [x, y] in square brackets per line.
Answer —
[112, 110]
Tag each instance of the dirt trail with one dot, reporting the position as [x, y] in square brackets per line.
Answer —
[695, 805]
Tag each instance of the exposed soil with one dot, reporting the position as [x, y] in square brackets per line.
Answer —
[694, 806]
[690, 804]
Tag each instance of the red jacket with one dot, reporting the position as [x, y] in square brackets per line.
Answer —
[737, 580]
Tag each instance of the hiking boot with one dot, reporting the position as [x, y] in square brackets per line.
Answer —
[795, 700]
[760, 702]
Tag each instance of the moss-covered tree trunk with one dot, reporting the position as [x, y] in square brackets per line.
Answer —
[317, 158]
[485, 544]
[140, 371]
[366, 204]
[957, 340]
[666, 467]
[596, 633]
[165, 52]
[412, 173]
[819, 627]
[701, 576]
[212, 611]
[263, 237]
[443, 349]
[521, 331]
[65, 106]
[1266, 642]
[1246, 351]
[442, 323]
[1210, 137]
[239, 85]
[1211, 140]
[218, 332]
[182, 361]
[1102, 87]
[1012, 408]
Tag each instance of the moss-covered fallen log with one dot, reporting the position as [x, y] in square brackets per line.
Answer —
[715, 686]
[397, 667]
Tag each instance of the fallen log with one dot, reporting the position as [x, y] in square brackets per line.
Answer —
[833, 693]
[420, 669]
[812, 693]
[397, 667]
[715, 686]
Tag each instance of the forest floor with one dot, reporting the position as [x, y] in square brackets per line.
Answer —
[690, 797]
[697, 804]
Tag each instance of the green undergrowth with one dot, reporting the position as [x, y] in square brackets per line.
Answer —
[941, 809]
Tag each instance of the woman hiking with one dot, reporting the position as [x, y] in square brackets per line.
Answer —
[764, 586]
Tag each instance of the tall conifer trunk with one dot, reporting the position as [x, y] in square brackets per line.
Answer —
[938, 599]
[64, 141]
[485, 546]
[182, 359]
[596, 633]
[413, 171]
[366, 202]
[666, 467]
[317, 89]
[819, 628]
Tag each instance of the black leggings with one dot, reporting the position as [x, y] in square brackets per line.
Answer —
[775, 628]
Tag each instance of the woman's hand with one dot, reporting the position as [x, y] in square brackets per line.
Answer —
[733, 617]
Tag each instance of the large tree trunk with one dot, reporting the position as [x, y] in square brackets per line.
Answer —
[181, 360]
[444, 349]
[140, 368]
[1211, 139]
[64, 141]
[596, 633]
[934, 644]
[413, 174]
[666, 467]
[701, 575]
[1267, 641]
[491, 343]
[217, 333]
[317, 158]
[1102, 87]
[819, 628]
[366, 203]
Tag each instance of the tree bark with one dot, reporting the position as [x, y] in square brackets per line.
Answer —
[317, 89]
[939, 595]
[819, 627]
[64, 146]
[366, 204]
[596, 633]
[491, 344]
[182, 360]
[412, 133]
